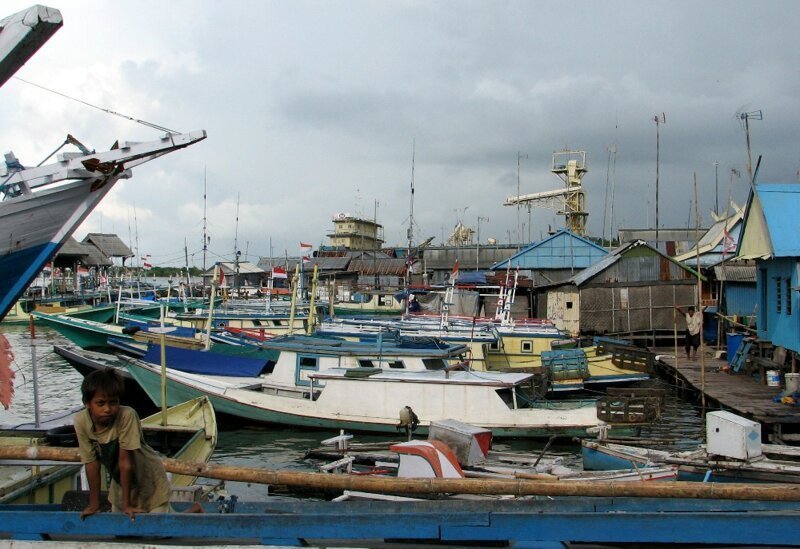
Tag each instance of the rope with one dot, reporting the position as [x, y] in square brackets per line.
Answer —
[108, 111]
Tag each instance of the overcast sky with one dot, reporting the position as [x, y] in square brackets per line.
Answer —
[315, 108]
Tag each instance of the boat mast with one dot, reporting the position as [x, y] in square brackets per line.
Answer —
[410, 231]
[236, 252]
[205, 224]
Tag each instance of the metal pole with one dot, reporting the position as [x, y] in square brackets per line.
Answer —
[657, 165]
[36, 411]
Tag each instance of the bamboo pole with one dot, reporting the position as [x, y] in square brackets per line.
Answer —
[516, 487]
[675, 338]
[699, 297]
[312, 317]
[211, 300]
[293, 305]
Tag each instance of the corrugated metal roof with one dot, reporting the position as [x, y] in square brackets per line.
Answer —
[736, 273]
[639, 267]
[561, 250]
[369, 267]
[229, 268]
[110, 244]
[720, 239]
[780, 203]
[324, 263]
[443, 258]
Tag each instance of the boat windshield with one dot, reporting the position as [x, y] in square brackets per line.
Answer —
[434, 363]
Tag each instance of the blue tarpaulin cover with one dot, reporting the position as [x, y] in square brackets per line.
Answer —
[209, 363]
[471, 277]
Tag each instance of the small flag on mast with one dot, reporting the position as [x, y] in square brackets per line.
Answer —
[278, 272]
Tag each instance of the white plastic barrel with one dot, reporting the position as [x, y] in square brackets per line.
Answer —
[773, 378]
[792, 382]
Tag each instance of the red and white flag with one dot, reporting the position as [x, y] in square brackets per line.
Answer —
[728, 243]
[306, 259]
[278, 272]
[147, 266]
[305, 247]
[454, 274]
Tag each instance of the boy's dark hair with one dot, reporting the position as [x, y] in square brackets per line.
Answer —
[106, 381]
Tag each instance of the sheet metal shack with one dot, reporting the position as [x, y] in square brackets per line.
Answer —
[633, 290]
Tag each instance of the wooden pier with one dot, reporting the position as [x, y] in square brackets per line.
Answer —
[737, 392]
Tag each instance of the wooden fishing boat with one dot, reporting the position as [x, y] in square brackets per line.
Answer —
[371, 303]
[303, 392]
[86, 362]
[188, 434]
[90, 334]
[693, 465]
[535, 347]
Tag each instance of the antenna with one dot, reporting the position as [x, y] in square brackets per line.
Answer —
[716, 187]
[612, 151]
[519, 230]
[236, 231]
[658, 121]
[747, 116]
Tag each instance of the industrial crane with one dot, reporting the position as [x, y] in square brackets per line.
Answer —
[570, 167]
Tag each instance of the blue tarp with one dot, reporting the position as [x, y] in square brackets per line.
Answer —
[471, 277]
[209, 363]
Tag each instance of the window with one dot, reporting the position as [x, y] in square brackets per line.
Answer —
[494, 345]
[396, 364]
[308, 362]
[789, 296]
[569, 304]
[434, 363]
[778, 295]
[365, 363]
[526, 347]
[762, 310]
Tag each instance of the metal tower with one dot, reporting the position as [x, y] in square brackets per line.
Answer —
[570, 167]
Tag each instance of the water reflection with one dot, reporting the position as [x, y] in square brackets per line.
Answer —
[276, 447]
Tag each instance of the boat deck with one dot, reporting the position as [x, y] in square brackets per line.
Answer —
[738, 392]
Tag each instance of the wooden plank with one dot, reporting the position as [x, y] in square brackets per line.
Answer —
[738, 393]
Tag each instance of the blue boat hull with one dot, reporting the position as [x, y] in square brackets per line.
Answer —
[34, 227]
[552, 522]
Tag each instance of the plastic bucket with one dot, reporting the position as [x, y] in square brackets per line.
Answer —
[792, 382]
[774, 378]
[734, 342]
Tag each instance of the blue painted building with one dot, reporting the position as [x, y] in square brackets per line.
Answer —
[556, 258]
[770, 237]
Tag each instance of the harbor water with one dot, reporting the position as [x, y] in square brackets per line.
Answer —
[274, 447]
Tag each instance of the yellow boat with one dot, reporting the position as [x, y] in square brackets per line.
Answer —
[190, 434]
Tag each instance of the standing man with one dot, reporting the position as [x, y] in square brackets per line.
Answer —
[694, 326]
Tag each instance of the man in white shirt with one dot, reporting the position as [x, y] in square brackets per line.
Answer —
[694, 326]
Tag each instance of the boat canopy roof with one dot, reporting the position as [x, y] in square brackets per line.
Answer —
[500, 379]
